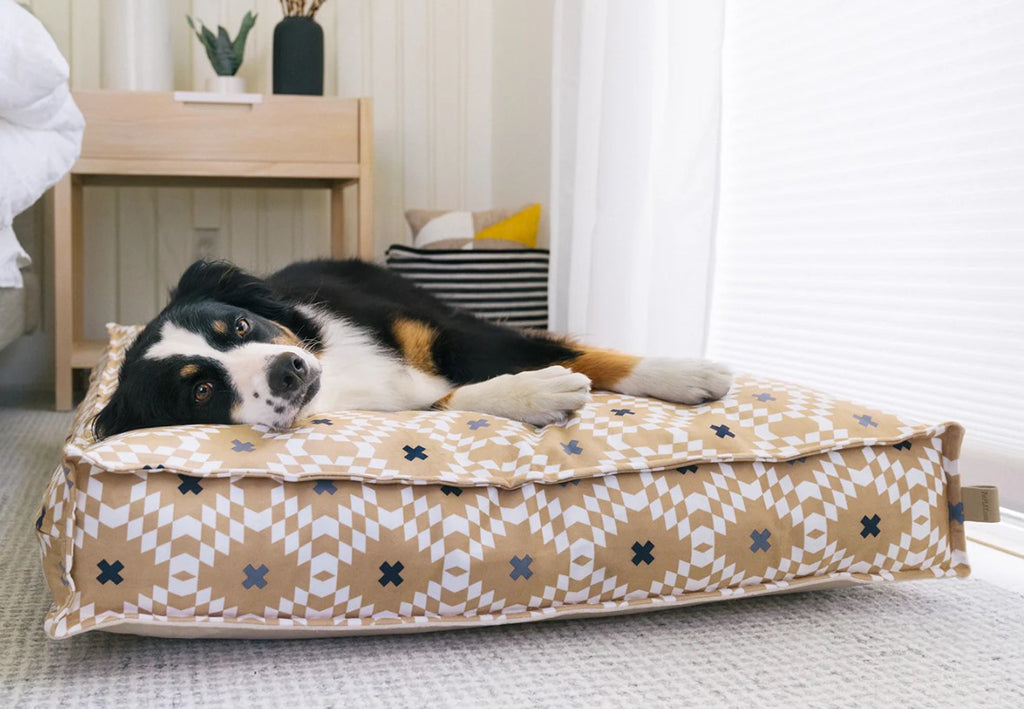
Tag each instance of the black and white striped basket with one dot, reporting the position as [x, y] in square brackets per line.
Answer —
[505, 286]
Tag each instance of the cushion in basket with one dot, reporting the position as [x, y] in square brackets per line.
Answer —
[489, 229]
[505, 286]
[359, 522]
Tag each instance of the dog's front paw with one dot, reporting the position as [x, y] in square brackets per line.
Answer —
[686, 381]
[540, 397]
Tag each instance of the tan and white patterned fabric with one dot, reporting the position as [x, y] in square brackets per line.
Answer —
[361, 522]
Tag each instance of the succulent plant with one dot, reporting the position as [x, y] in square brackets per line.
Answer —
[225, 55]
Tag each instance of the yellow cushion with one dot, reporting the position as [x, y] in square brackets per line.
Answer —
[520, 227]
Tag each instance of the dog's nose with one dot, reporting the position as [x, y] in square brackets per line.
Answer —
[287, 374]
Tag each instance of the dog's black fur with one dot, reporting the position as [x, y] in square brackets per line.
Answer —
[467, 349]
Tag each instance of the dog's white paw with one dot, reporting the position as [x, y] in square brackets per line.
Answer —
[686, 381]
[540, 397]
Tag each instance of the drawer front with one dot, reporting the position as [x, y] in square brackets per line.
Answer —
[282, 129]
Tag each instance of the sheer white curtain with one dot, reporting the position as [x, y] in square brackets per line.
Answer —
[871, 231]
[635, 136]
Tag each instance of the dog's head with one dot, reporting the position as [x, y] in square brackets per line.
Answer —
[218, 353]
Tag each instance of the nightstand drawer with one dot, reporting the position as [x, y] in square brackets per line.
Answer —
[143, 126]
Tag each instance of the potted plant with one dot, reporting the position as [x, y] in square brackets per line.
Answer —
[299, 49]
[224, 53]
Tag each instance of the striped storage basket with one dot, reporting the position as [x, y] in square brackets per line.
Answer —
[505, 286]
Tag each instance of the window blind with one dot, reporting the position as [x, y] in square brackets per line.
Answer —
[871, 211]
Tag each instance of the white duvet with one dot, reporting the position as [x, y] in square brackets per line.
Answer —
[40, 126]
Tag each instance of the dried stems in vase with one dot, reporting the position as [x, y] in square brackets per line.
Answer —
[297, 8]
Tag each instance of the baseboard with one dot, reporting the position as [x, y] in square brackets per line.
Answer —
[1007, 535]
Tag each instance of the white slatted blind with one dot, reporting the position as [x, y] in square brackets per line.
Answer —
[871, 223]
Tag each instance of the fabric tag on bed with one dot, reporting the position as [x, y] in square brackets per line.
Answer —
[981, 503]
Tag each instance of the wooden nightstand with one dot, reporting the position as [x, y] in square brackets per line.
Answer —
[143, 138]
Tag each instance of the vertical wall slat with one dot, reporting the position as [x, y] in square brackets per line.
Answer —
[386, 82]
[240, 238]
[313, 227]
[99, 260]
[416, 131]
[477, 69]
[84, 18]
[446, 93]
[136, 249]
[174, 248]
[277, 228]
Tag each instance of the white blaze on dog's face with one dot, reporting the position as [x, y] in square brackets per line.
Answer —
[252, 370]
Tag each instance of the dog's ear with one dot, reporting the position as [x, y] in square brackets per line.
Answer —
[111, 420]
[227, 283]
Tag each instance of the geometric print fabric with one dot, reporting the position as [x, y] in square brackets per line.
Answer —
[426, 520]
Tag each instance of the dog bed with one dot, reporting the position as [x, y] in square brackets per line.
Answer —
[360, 522]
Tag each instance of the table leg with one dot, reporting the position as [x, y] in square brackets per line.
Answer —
[366, 247]
[337, 221]
[63, 328]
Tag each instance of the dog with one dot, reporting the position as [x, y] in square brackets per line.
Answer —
[317, 336]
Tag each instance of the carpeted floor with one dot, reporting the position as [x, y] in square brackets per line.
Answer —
[922, 644]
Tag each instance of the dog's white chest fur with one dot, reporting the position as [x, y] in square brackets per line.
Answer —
[357, 373]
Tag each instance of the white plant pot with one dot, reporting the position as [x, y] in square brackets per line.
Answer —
[226, 85]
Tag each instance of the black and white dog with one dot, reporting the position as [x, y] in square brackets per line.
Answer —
[340, 335]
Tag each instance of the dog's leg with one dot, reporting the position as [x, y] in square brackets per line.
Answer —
[537, 396]
[686, 381]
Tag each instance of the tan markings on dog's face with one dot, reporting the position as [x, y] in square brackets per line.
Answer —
[189, 370]
[220, 326]
[287, 337]
[604, 367]
[416, 340]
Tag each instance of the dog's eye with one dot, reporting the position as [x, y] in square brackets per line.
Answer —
[202, 392]
[242, 327]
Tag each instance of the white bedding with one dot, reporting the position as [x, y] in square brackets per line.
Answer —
[40, 126]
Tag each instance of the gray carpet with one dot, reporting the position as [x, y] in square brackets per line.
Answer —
[927, 644]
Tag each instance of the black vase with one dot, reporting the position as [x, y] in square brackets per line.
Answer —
[299, 57]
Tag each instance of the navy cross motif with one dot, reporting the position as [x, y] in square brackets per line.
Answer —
[722, 431]
[865, 420]
[521, 567]
[391, 573]
[189, 484]
[451, 490]
[642, 553]
[39, 522]
[110, 572]
[255, 577]
[956, 512]
[323, 422]
[623, 412]
[902, 446]
[414, 453]
[687, 469]
[242, 446]
[323, 486]
[760, 540]
[572, 447]
[870, 526]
